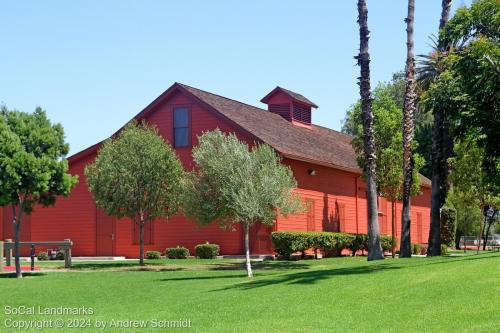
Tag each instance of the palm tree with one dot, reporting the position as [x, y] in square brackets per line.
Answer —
[374, 247]
[442, 140]
[408, 129]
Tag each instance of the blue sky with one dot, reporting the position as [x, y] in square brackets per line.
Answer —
[94, 64]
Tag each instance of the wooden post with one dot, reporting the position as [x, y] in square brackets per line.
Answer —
[32, 257]
[8, 253]
[1, 256]
[67, 254]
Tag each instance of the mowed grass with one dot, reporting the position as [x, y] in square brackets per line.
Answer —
[446, 294]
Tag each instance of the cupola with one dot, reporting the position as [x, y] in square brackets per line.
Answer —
[290, 105]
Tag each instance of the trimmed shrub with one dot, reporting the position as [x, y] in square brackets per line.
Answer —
[60, 255]
[448, 225]
[207, 251]
[386, 242]
[288, 242]
[415, 248]
[177, 252]
[359, 243]
[42, 256]
[153, 255]
[444, 249]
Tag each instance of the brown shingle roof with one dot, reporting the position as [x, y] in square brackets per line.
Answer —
[318, 144]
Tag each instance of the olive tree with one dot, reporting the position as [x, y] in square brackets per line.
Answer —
[33, 168]
[137, 175]
[233, 183]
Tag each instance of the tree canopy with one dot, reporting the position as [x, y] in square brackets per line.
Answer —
[33, 168]
[233, 183]
[388, 141]
[137, 175]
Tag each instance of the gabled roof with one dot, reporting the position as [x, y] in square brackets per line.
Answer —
[317, 145]
[295, 96]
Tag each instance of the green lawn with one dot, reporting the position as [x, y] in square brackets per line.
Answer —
[447, 294]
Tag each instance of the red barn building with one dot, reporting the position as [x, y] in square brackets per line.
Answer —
[322, 160]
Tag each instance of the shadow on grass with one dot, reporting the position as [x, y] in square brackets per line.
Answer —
[25, 275]
[260, 265]
[314, 276]
[108, 265]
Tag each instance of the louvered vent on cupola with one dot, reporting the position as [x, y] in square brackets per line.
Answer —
[290, 105]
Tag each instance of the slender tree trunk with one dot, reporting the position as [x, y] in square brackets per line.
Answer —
[141, 239]
[490, 223]
[393, 214]
[16, 225]
[442, 149]
[408, 128]
[247, 250]
[374, 247]
[458, 236]
[481, 228]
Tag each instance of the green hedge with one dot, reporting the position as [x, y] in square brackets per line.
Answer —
[207, 251]
[386, 242]
[153, 255]
[288, 242]
[332, 243]
[359, 243]
[177, 252]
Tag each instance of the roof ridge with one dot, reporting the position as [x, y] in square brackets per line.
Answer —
[230, 99]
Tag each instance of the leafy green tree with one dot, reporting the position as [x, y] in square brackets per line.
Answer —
[235, 184]
[370, 174]
[475, 64]
[464, 91]
[388, 140]
[470, 182]
[33, 169]
[137, 175]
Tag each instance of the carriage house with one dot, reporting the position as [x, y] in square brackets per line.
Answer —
[322, 160]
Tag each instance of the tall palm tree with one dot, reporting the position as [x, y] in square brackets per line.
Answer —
[408, 129]
[442, 140]
[374, 247]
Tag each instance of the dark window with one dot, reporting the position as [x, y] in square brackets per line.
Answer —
[148, 233]
[181, 127]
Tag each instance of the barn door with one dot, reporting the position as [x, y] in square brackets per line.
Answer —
[105, 233]
[260, 239]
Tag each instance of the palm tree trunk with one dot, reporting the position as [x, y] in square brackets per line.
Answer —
[374, 247]
[247, 250]
[445, 13]
[408, 128]
[442, 149]
[434, 242]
